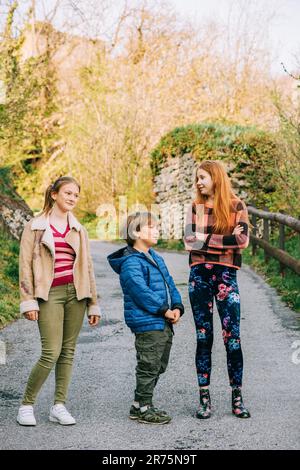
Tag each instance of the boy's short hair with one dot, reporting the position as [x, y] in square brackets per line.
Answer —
[135, 222]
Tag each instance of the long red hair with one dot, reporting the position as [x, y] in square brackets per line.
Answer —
[223, 194]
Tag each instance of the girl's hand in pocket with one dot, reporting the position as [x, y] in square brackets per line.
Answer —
[33, 315]
[94, 320]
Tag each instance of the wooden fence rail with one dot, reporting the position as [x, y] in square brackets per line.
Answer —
[280, 254]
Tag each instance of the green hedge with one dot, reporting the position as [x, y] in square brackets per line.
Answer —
[251, 149]
[9, 290]
[6, 184]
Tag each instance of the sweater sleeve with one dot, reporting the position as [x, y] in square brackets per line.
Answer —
[240, 241]
[193, 238]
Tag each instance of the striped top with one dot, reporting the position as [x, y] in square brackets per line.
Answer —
[64, 258]
[217, 249]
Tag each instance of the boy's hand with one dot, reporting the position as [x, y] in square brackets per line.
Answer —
[169, 315]
[176, 312]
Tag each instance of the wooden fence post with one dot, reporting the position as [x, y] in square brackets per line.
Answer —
[253, 221]
[282, 245]
[266, 235]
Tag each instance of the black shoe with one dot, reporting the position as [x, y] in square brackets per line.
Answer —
[238, 407]
[134, 412]
[150, 416]
[204, 411]
[160, 412]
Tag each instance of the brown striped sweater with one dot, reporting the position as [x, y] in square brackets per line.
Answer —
[216, 249]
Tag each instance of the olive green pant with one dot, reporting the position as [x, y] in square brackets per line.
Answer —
[60, 320]
[152, 353]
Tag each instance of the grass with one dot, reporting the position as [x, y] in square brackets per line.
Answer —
[287, 286]
[171, 245]
[9, 290]
[90, 223]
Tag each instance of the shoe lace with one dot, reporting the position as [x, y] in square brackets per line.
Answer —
[26, 411]
[62, 411]
[159, 411]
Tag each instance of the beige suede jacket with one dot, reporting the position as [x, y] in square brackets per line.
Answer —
[36, 267]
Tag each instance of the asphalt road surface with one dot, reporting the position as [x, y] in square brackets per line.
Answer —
[104, 377]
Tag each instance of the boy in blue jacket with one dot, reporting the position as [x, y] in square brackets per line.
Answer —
[152, 305]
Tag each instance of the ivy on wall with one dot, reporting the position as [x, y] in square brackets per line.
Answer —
[253, 154]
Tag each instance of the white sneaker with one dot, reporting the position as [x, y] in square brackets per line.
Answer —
[59, 414]
[25, 416]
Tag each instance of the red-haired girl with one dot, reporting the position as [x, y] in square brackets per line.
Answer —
[216, 232]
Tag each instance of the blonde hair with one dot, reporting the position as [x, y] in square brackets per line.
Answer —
[55, 187]
[135, 222]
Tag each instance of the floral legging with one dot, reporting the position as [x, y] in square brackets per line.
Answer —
[206, 282]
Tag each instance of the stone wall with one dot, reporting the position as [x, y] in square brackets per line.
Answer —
[13, 215]
[173, 189]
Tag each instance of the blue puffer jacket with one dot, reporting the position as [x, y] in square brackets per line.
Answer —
[144, 288]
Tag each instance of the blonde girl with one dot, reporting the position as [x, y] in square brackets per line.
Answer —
[57, 286]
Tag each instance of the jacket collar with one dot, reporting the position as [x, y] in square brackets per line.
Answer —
[129, 250]
[42, 222]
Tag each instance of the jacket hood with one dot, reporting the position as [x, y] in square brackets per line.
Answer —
[118, 257]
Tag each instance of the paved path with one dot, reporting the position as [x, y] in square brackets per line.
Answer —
[103, 378]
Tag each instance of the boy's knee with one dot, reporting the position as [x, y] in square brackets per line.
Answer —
[149, 365]
[148, 360]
